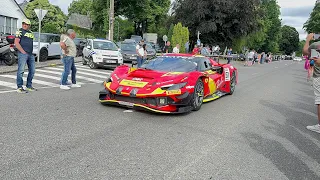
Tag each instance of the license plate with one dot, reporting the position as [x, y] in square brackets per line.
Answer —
[126, 103]
[172, 92]
[110, 61]
[133, 83]
[133, 58]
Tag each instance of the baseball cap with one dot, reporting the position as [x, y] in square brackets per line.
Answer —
[26, 21]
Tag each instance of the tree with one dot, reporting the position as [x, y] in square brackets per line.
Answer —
[289, 42]
[54, 17]
[143, 12]
[218, 21]
[313, 23]
[273, 25]
[180, 36]
[83, 7]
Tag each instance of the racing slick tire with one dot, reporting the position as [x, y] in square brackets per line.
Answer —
[92, 65]
[84, 62]
[197, 97]
[233, 83]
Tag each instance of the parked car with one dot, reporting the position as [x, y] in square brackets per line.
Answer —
[297, 59]
[136, 38]
[80, 44]
[101, 53]
[49, 45]
[128, 51]
[151, 52]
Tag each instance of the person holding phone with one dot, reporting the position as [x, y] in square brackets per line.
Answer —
[312, 51]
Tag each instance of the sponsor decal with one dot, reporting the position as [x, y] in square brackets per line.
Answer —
[227, 74]
[172, 74]
[190, 87]
[137, 79]
[219, 83]
[206, 80]
[126, 103]
[164, 82]
[130, 83]
[173, 92]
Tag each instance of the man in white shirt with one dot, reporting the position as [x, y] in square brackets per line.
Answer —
[140, 53]
[176, 49]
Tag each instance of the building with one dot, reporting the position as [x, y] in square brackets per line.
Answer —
[11, 16]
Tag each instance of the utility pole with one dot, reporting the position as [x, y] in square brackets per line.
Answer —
[111, 20]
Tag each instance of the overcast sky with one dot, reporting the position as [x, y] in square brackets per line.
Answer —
[293, 12]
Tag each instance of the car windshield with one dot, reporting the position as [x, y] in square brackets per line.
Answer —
[103, 45]
[171, 64]
[128, 47]
[149, 47]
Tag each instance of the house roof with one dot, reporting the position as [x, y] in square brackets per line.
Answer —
[20, 7]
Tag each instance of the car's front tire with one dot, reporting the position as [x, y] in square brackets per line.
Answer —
[197, 99]
[233, 82]
[92, 65]
[43, 54]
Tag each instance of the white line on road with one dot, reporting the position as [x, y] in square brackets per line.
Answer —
[50, 77]
[90, 70]
[78, 77]
[79, 72]
[34, 80]
[8, 84]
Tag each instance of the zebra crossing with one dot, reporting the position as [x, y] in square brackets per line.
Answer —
[49, 77]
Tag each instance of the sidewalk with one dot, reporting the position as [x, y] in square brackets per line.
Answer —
[7, 69]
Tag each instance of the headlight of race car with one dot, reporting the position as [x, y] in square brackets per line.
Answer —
[173, 86]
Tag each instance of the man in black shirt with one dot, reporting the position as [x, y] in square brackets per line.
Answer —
[24, 43]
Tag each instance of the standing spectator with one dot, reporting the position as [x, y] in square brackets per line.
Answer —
[166, 47]
[229, 53]
[195, 50]
[176, 49]
[140, 53]
[316, 78]
[24, 43]
[255, 56]
[262, 57]
[69, 53]
[186, 46]
[145, 57]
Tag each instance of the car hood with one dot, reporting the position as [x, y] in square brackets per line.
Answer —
[146, 82]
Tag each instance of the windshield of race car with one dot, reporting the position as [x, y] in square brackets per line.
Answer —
[171, 64]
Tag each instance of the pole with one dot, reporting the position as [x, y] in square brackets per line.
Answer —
[111, 19]
[38, 58]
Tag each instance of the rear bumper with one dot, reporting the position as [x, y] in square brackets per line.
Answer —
[147, 103]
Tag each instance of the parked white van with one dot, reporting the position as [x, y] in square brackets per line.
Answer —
[101, 53]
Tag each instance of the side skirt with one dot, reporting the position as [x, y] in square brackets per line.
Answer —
[214, 96]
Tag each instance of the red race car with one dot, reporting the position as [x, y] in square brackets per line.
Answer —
[171, 83]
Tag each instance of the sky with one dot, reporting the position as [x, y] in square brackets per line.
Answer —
[293, 12]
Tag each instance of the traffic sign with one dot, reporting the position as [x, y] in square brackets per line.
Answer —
[198, 42]
[40, 13]
[165, 38]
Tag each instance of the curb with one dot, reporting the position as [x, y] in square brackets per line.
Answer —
[39, 67]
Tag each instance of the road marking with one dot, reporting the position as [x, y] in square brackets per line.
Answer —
[79, 72]
[8, 84]
[50, 77]
[34, 80]
[78, 77]
[94, 71]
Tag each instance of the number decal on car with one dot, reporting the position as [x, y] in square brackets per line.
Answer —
[227, 74]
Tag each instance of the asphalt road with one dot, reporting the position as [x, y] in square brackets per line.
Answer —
[257, 133]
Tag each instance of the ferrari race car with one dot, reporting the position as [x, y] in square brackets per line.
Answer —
[172, 83]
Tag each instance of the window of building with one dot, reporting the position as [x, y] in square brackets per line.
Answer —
[8, 25]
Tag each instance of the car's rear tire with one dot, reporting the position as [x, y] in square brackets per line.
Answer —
[92, 65]
[43, 54]
[233, 83]
[197, 98]
[84, 62]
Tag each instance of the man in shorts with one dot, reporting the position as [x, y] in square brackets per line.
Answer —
[316, 76]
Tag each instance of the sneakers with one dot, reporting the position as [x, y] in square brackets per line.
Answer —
[21, 90]
[31, 89]
[75, 85]
[65, 87]
[314, 128]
